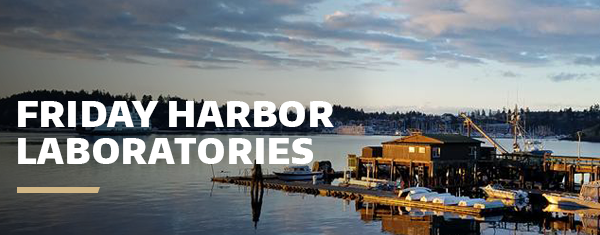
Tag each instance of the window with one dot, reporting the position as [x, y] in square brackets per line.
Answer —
[421, 149]
[411, 149]
[435, 152]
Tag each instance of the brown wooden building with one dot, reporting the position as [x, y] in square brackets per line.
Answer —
[424, 159]
[432, 147]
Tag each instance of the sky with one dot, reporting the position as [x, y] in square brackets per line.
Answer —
[433, 56]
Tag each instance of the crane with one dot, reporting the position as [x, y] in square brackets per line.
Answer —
[470, 124]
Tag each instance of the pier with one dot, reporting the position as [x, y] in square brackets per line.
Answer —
[450, 161]
[352, 193]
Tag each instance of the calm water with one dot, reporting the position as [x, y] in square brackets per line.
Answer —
[180, 199]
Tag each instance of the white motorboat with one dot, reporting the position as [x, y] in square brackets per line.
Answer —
[295, 173]
[497, 191]
[589, 196]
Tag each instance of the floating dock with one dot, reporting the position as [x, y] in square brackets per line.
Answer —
[353, 193]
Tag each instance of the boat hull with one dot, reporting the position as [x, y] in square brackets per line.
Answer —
[569, 201]
[504, 194]
[298, 177]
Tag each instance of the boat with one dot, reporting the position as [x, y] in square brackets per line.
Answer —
[296, 173]
[589, 196]
[497, 191]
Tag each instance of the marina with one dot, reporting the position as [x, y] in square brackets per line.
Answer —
[454, 161]
[440, 169]
[353, 193]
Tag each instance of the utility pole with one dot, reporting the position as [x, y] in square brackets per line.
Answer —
[578, 145]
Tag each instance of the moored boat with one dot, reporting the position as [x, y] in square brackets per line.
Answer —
[297, 173]
[497, 191]
[589, 196]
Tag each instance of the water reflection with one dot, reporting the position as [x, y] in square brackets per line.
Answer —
[404, 220]
[553, 220]
[584, 220]
[256, 193]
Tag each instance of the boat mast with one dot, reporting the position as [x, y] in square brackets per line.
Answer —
[514, 120]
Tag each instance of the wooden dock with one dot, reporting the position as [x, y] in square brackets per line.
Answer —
[352, 193]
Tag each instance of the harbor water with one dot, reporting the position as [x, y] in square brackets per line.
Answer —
[181, 199]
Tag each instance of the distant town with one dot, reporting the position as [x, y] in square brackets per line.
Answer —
[563, 124]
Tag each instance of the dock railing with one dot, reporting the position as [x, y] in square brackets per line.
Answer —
[581, 161]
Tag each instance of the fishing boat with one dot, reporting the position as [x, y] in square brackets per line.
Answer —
[296, 173]
[497, 191]
[589, 196]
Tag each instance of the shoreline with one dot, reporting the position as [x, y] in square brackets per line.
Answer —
[162, 132]
[233, 132]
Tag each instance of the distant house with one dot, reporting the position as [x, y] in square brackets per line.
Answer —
[432, 147]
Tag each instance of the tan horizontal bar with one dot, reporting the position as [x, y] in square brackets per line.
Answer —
[58, 189]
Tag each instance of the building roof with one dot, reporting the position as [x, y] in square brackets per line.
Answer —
[435, 139]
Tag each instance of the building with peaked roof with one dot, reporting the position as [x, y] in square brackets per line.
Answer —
[432, 147]
[423, 159]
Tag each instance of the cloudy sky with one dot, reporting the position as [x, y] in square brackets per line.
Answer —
[435, 56]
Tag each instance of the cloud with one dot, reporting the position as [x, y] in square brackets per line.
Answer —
[562, 77]
[589, 60]
[509, 74]
[285, 34]
[248, 93]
